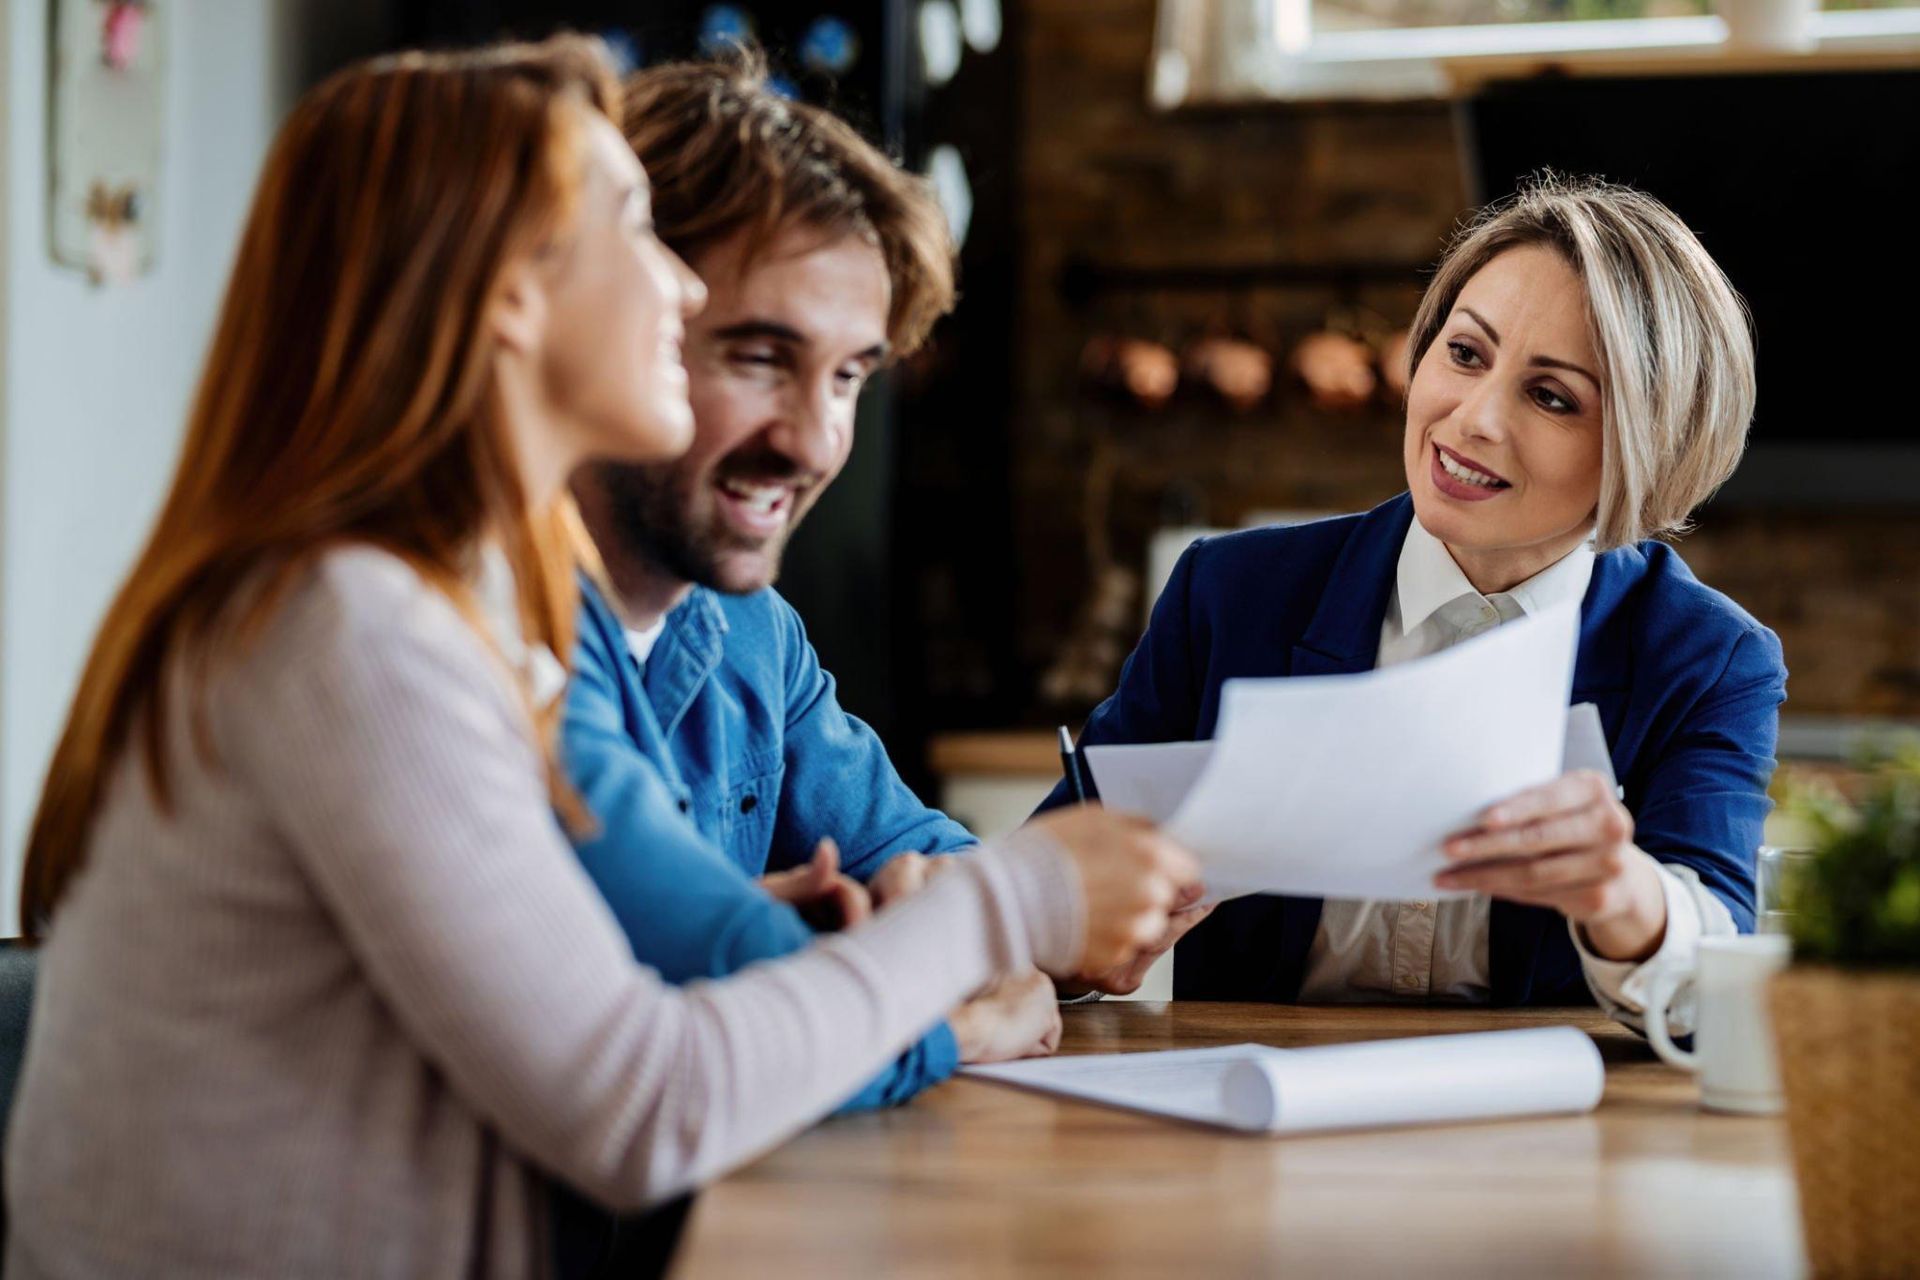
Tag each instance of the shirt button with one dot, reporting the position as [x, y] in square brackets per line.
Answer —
[1421, 906]
[749, 803]
[686, 805]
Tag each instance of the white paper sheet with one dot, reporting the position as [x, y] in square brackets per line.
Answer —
[1151, 779]
[1148, 779]
[1343, 786]
[1424, 1080]
[1181, 1084]
[1586, 742]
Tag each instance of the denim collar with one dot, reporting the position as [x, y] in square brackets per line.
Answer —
[685, 655]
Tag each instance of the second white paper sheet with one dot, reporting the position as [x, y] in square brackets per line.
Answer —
[1344, 786]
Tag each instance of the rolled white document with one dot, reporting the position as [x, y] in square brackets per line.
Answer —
[1424, 1080]
[1253, 1087]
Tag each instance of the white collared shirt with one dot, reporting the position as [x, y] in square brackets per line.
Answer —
[1367, 951]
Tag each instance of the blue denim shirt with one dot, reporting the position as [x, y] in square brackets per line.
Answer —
[728, 756]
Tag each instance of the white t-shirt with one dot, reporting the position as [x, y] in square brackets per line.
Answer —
[640, 643]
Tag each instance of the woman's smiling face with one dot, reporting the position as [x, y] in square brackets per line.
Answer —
[1504, 441]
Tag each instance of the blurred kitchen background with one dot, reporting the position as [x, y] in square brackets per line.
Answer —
[1193, 234]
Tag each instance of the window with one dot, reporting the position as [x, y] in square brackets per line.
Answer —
[1329, 17]
[1424, 48]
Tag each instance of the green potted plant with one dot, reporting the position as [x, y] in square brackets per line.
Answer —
[1846, 1017]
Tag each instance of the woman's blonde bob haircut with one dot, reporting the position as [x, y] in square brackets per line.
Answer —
[1674, 340]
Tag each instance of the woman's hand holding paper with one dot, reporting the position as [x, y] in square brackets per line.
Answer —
[1567, 844]
[1132, 880]
[1125, 979]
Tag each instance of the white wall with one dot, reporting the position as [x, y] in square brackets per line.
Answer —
[9, 842]
[94, 383]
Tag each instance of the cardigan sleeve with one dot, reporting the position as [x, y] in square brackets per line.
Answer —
[398, 766]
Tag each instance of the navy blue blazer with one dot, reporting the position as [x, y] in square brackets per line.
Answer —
[1688, 685]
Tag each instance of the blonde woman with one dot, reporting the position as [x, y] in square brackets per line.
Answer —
[324, 990]
[1582, 379]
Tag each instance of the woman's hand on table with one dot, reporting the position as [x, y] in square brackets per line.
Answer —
[1567, 844]
[1015, 1017]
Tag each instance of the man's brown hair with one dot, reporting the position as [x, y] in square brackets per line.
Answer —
[726, 155]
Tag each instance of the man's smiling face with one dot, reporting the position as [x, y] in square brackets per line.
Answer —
[775, 364]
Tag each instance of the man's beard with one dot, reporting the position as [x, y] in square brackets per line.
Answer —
[672, 519]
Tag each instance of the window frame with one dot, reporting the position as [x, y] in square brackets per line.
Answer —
[1287, 61]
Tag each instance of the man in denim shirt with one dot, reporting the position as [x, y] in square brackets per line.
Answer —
[700, 729]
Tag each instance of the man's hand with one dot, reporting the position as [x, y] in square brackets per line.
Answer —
[1125, 979]
[1016, 1017]
[826, 899]
[905, 873]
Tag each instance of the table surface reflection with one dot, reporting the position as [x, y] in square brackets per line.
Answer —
[980, 1180]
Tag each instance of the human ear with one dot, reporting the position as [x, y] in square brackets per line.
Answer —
[517, 316]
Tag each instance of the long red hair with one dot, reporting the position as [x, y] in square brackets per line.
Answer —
[347, 393]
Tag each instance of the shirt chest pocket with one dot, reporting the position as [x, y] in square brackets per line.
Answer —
[746, 816]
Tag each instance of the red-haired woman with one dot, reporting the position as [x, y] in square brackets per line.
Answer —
[324, 991]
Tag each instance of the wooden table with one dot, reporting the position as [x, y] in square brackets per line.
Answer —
[980, 1180]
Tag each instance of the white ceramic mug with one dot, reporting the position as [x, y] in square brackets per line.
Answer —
[1733, 1037]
